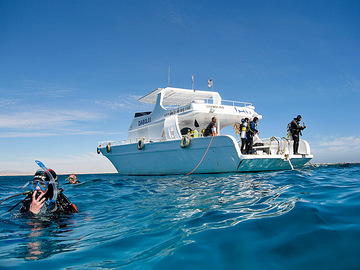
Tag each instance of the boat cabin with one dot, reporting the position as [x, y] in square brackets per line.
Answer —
[178, 112]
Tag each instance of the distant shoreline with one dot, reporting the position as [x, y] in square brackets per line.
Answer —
[338, 163]
[11, 173]
[62, 174]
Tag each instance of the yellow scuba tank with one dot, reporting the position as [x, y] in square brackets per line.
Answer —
[243, 130]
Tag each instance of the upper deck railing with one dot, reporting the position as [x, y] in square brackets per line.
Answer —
[234, 103]
[210, 101]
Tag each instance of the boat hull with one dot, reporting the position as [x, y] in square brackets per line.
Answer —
[219, 154]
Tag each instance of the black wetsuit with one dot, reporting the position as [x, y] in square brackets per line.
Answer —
[62, 205]
[208, 130]
[68, 183]
[249, 137]
[295, 129]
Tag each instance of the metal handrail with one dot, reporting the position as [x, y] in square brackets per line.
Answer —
[130, 141]
[243, 104]
[211, 101]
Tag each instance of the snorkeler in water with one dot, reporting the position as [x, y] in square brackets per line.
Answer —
[45, 196]
[72, 179]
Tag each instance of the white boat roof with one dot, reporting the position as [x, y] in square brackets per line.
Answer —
[179, 96]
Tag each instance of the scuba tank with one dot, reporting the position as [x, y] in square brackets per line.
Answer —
[213, 131]
[289, 134]
[244, 126]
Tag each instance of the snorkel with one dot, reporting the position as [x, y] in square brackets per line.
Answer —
[52, 182]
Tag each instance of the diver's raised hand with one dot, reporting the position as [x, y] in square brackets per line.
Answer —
[37, 203]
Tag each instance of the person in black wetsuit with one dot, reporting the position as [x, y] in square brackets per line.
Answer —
[251, 132]
[243, 129]
[295, 129]
[209, 129]
[46, 197]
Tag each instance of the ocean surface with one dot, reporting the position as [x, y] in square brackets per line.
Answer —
[302, 219]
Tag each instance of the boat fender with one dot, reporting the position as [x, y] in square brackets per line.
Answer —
[141, 144]
[185, 141]
[108, 147]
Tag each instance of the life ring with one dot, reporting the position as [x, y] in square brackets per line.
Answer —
[108, 147]
[141, 144]
[98, 150]
[237, 128]
[185, 141]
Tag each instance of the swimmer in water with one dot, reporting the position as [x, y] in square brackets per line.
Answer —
[46, 197]
[72, 179]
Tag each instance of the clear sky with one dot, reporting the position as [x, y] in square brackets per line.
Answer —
[71, 71]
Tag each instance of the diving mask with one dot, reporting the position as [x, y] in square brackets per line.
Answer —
[43, 185]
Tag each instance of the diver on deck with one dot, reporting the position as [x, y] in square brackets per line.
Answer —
[46, 197]
[211, 128]
[295, 130]
[243, 128]
[251, 132]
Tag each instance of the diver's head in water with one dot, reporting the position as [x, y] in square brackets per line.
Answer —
[72, 179]
[45, 182]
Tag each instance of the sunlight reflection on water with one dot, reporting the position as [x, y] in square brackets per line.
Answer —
[156, 222]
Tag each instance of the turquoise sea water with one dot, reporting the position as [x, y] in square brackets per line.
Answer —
[303, 219]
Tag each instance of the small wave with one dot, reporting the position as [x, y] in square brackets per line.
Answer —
[164, 222]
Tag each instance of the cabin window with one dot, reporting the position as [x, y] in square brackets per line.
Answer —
[139, 114]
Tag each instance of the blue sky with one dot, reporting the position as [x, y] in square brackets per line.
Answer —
[71, 71]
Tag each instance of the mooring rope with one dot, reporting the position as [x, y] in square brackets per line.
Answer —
[212, 137]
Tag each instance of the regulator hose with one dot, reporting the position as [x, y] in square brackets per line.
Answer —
[24, 193]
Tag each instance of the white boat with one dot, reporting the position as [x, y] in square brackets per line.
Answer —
[168, 139]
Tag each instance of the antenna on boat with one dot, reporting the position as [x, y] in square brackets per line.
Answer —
[210, 84]
[169, 77]
[192, 82]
